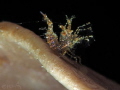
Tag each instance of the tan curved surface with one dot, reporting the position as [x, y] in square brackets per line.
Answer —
[20, 53]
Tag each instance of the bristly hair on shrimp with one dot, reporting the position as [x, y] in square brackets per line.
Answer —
[68, 38]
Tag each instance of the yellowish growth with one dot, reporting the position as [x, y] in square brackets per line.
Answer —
[68, 38]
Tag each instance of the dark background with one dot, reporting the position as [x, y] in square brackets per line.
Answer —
[103, 54]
